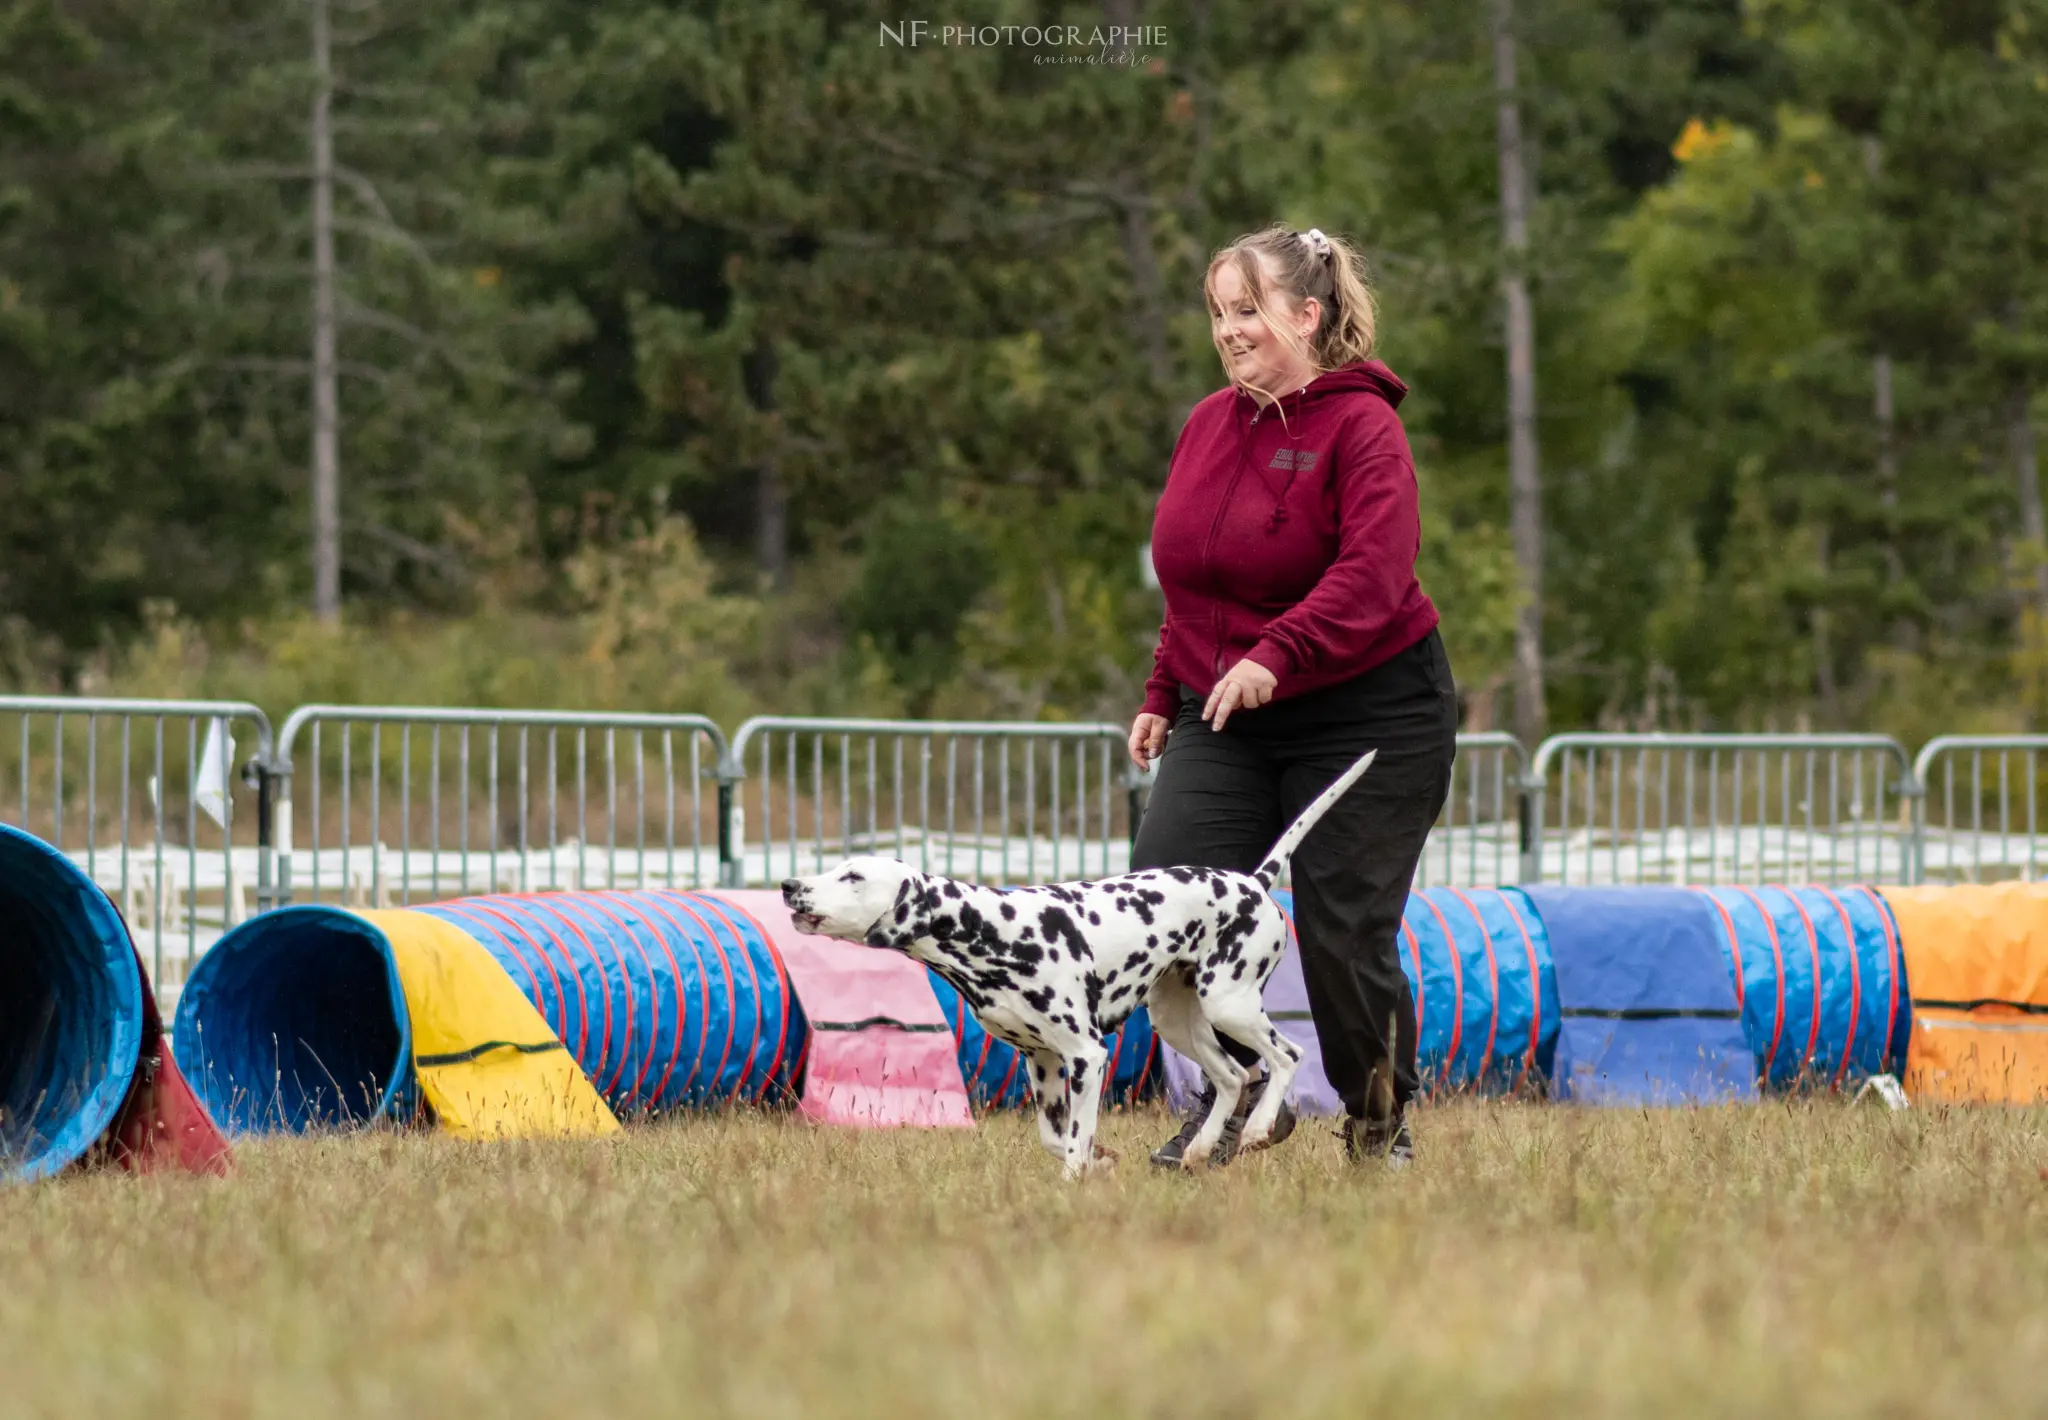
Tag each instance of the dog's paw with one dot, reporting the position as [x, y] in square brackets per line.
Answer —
[1103, 1160]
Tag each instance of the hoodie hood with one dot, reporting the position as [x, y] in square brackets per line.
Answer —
[1372, 376]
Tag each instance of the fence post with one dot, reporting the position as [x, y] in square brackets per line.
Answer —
[732, 827]
[1913, 790]
[274, 825]
[1137, 785]
[1531, 826]
[263, 774]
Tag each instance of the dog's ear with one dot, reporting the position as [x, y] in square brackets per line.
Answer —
[895, 928]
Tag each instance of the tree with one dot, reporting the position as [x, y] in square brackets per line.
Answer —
[1525, 485]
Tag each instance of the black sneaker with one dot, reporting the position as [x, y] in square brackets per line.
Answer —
[1170, 1155]
[1387, 1139]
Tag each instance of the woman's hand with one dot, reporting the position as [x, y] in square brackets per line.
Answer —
[1245, 686]
[1148, 738]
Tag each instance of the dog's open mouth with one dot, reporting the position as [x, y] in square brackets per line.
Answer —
[807, 921]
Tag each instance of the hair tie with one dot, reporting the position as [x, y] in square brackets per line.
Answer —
[1317, 242]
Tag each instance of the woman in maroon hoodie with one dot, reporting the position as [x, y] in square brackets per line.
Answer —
[1296, 639]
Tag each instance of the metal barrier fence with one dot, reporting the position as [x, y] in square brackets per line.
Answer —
[1979, 818]
[1720, 808]
[146, 797]
[1026, 802]
[981, 801]
[399, 805]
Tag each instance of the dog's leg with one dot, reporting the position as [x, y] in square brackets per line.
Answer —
[1085, 1067]
[1227, 1076]
[1051, 1090]
[1240, 1015]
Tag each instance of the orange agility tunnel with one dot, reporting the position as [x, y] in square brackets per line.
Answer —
[1977, 960]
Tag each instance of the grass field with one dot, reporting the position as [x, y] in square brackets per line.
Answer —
[1780, 1260]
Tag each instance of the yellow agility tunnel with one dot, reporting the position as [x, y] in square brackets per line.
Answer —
[316, 1015]
[1977, 961]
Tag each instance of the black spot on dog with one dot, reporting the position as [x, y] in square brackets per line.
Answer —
[1058, 926]
[1009, 911]
[1039, 1000]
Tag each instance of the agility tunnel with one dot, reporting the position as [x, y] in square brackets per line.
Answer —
[1633, 995]
[1478, 964]
[1820, 981]
[1977, 960]
[82, 1069]
[1648, 1012]
[621, 1002]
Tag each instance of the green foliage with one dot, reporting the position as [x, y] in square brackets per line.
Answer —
[603, 265]
[920, 574]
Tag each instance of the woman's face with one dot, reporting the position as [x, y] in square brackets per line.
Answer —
[1252, 353]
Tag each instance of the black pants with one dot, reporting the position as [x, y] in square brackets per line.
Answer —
[1221, 799]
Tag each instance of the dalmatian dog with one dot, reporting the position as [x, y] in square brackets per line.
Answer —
[1053, 970]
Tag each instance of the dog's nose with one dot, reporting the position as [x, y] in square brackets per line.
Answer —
[790, 888]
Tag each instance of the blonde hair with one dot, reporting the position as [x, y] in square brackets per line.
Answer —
[1301, 265]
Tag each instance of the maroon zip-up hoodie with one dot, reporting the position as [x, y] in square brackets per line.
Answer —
[1291, 540]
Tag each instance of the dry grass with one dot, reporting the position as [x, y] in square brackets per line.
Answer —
[1790, 1260]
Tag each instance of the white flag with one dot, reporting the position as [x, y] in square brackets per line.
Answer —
[212, 790]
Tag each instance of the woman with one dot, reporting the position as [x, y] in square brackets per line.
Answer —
[1296, 638]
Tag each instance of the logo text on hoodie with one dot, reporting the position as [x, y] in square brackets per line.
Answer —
[1299, 460]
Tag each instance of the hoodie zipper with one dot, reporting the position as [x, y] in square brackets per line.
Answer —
[1209, 546]
[1215, 523]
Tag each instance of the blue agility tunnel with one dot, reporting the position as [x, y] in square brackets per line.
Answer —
[1648, 1008]
[295, 1020]
[71, 1010]
[666, 999]
[1820, 981]
[1478, 967]
[994, 1069]
[1478, 962]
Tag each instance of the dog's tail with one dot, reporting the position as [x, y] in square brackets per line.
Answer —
[1276, 861]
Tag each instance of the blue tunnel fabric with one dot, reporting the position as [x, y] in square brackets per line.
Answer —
[70, 1009]
[1648, 1006]
[295, 1020]
[1822, 982]
[994, 1069]
[1478, 965]
[667, 999]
